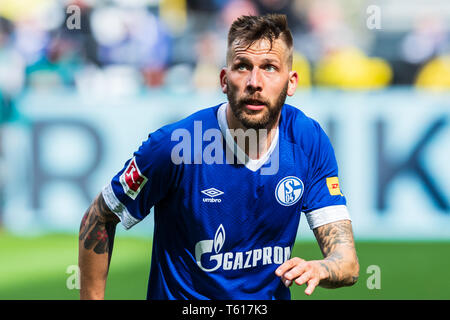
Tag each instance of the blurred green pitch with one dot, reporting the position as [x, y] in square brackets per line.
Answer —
[35, 268]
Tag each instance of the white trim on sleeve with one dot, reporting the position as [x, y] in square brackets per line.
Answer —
[326, 215]
[118, 208]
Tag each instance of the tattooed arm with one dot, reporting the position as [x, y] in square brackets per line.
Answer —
[339, 267]
[338, 249]
[95, 246]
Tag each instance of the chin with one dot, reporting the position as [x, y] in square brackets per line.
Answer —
[254, 122]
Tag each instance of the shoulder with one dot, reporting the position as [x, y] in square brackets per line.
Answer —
[301, 129]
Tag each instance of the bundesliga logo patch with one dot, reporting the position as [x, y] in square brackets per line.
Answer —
[132, 180]
[333, 186]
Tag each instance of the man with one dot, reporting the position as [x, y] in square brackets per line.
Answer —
[226, 220]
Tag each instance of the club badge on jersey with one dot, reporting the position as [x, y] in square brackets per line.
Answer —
[289, 190]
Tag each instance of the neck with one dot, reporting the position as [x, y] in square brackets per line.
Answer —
[254, 142]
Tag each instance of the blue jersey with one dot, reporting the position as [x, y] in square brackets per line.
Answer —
[224, 222]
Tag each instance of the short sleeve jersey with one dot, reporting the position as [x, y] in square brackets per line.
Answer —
[224, 222]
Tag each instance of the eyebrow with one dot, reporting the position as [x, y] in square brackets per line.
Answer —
[265, 61]
[268, 61]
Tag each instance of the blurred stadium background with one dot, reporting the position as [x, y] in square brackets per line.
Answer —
[82, 83]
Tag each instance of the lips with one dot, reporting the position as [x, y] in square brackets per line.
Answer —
[254, 104]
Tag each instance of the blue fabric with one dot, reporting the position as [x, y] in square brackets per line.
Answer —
[230, 246]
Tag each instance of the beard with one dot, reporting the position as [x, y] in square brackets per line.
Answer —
[260, 119]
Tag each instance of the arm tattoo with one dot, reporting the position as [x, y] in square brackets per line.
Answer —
[334, 234]
[98, 227]
[338, 248]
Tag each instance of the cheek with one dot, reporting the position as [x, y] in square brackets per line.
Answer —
[233, 85]
[276, 87]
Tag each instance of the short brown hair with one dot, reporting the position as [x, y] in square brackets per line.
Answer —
[250, 29]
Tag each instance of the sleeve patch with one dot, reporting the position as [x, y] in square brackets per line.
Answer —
[333, 186]
[132, 180]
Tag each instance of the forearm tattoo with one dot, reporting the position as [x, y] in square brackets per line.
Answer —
[98, 227]
[338, 248]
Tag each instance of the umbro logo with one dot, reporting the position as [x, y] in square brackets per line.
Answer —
[212, 193]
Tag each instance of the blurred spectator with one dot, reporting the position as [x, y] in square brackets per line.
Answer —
[296, 20]
[114, 81]
[12, 71]
[132, 36]
[350, 69]
[206, 6]
[426, 39]
[327, 24]
[209, 63]
[12, 63]
[174, 14]
[235, 8]
[435, 75]
[152, 43]
[179, 78]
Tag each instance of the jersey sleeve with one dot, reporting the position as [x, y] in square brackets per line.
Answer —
[142, 182]
[324, 202]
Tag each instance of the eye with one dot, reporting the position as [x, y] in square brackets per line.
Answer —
[270, 68]
[242, 67]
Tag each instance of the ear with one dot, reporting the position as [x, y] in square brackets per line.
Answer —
[293, 81]
[223, 80]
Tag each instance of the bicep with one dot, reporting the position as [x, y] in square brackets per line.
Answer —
[335, 237]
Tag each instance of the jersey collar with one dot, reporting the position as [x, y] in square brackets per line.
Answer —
[251, 164]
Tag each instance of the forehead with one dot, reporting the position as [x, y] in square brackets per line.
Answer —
[260, 48]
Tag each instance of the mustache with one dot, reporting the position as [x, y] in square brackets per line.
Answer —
[254, 101]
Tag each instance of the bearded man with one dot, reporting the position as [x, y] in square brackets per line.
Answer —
[227, 212]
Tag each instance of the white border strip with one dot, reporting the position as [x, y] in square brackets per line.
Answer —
[326, 215]
[118, 208]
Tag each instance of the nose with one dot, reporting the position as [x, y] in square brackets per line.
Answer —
[254, 81]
